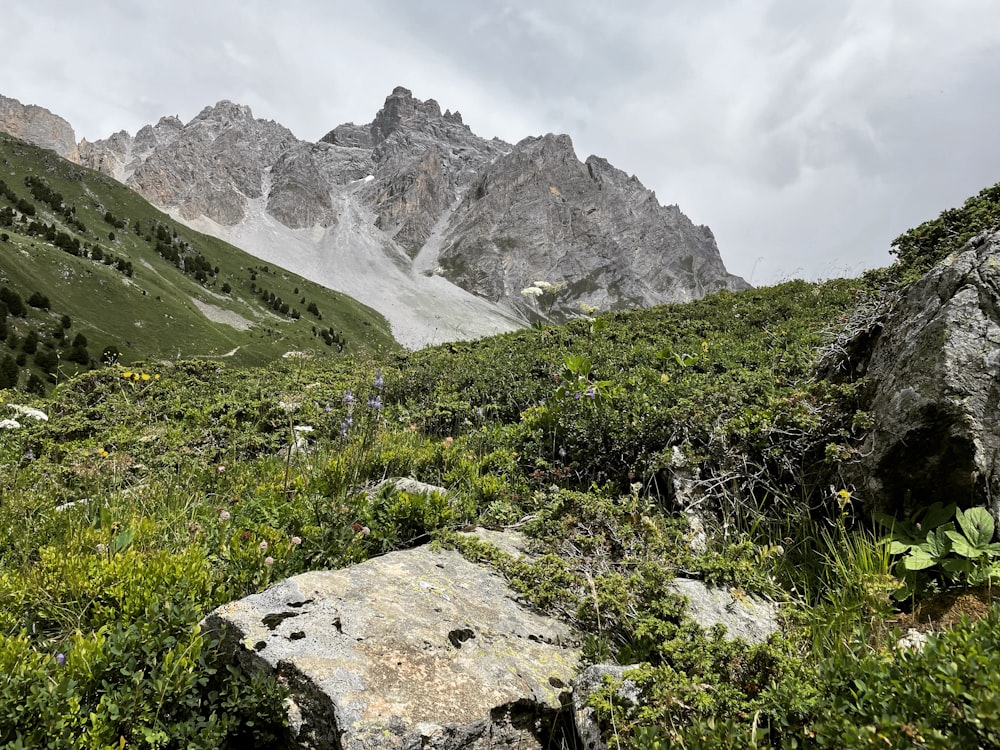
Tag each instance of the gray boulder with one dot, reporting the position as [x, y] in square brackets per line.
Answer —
[746, 617]
[935, 397]
[415, 649]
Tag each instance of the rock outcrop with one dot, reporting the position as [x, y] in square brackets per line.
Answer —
[433, 199]
[413, 649]
[935, 398]
[38, 126]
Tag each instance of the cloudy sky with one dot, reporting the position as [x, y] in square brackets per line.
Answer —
[806, 134]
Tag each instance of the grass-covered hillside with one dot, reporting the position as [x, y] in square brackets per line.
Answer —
[89, 270]
[154, 492]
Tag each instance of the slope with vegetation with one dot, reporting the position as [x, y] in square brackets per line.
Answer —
[91, 273]
[153, 493]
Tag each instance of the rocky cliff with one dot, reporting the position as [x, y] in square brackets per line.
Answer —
[39, 126]
[414, 214]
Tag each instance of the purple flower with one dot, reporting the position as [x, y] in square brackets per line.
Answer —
[348, 397]
[379, 383]
[591, 394]
[343, 429]
[61, 660]
[375, 403]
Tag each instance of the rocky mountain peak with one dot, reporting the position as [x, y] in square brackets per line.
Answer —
[402, 110]
[38, 125]
[414, 205]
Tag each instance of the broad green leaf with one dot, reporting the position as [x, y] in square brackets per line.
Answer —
[938, 543]
[918, 559]
[961, 546]
[936, 515]
[958, 566]
[977, 525]
[898, 548]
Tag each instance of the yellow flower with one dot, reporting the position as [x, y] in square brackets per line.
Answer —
[127, 374]
[156, 377]
[135, 377]
[145, 376]
[843, 497]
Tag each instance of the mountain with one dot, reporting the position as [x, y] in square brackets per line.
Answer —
[39, 126]
[89, 270]
[438, 229]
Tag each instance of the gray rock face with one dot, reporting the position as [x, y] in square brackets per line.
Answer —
[38, 126]
[412, 649]
[747, 618]
[538, 213]
[936, 392]
[482, 216]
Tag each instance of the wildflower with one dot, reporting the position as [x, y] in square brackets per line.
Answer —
[145, 376]
[269, 561]
[591, 394]
[379, 383]
[29, 455]
[221, 469]
[348, 396]
[562, 453]
[375, 403]
[224, 515]
[135, 377]
[61, 659]
[127, 375]
[344, 427]
[296, 540]
[843, 498]
[103, 453]
[263, 546]
[156, 377]
[194, 528]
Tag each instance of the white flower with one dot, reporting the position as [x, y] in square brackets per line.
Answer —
[9, 424]
[532, 291]
[28, 411]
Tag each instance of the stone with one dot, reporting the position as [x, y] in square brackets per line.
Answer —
[746, 617]
[935, 393]
[39, 126]
[412, 649]
[589, 681]
[537, 212]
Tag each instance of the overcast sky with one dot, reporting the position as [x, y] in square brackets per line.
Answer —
[806, 133]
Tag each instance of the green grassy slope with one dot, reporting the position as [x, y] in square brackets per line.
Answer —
[118, 290]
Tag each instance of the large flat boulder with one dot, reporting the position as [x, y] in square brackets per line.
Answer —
[415, 649]
[936, 391]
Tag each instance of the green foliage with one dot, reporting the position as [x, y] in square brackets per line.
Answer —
[935, 553]
[163, 274]
[943, 696]
[920, 248]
